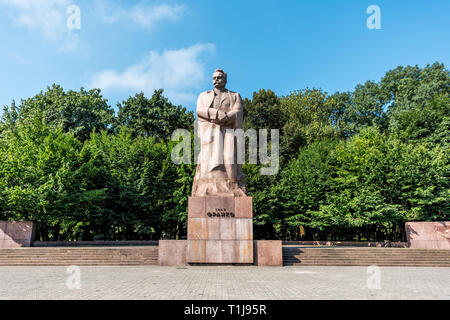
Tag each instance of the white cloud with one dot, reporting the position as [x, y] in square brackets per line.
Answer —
[140, 14]
[47, 16]
[178, 72]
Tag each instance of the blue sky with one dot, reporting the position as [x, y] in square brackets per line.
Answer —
[125, 47]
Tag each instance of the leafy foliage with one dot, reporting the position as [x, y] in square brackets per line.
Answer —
[77, 112]
[155, 117]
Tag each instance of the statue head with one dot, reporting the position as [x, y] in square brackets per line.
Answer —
[219, 79]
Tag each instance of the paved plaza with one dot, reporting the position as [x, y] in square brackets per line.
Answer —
[224, 282]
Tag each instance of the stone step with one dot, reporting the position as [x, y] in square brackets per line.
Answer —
[365, 257]
[378, 263]
[357, 248]
[78, 258]
[292, 256]
[77, 263]
[300, 256]
[365, 261]
[56, 256]
[364, 250]
[75, 250]
[365, 265]
[79, 255]
[369, 253]
[74, 261]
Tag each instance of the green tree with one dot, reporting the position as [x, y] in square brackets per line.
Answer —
[381, 183]
[309, 118]
[155, 117]
[38, 177]
[263, 111]
[77, 112]
[429, 121]
[303, 187]
[400, 89]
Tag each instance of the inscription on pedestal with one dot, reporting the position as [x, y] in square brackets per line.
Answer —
[220, 212]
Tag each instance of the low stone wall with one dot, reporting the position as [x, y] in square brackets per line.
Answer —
[15, 234]
[385, 244]
[94, 243]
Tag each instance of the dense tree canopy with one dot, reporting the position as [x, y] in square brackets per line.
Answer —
[77, 112]
[355, 165]
[155, 117]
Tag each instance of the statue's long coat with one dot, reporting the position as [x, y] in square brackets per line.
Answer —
[218, 146]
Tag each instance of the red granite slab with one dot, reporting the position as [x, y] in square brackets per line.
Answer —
[268, 253]
[172, 252]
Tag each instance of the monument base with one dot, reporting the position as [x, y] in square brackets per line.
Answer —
[15, 234]
[220, 230]
[428, 235]
[265, 252]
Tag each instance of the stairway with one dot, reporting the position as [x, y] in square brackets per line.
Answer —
[85, 256]
[292, 256]
[345, 256]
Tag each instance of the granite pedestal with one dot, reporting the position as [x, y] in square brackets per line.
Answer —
[220, 230]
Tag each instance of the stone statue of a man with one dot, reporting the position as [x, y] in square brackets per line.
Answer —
[219, 113]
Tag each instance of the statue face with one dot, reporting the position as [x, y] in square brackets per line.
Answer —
[219, 80]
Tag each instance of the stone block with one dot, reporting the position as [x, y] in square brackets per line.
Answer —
[268, 253]
[244, 251]
[428, 244]
[172, 252]
[19, 230]
[228, 251]
[196, 251]
[213, 251]
[196, 207]
[203, 229]
[220, 251]
[17, 243]
[16, 234]
[227, 229]
[244, 207]
[220, 204]
[197, 229]
[2, 230]
[244, 229]
[428, 235]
